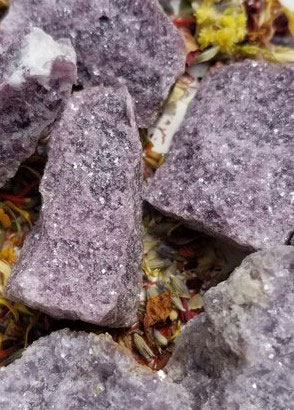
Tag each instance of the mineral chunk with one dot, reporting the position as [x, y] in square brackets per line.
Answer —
[239, 354]
[82, 260]
[230, 171]
[36, 77]
[127, 41]
[79, 371]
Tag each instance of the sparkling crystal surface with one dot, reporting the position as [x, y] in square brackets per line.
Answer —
[82, 259]
[239, 354]
[80, 371]
[30, 100]
[127, 41]
[230, 171]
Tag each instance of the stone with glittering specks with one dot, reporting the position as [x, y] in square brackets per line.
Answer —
[82, 259]
[230, 171]
[80, 371]
[36, 77]
[131, 42]
[239, 353]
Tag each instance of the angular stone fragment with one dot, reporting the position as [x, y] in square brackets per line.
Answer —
[82, 260]
[80, 371]
[230, 171]
[127, 41]
[36, 77]
[239, 354]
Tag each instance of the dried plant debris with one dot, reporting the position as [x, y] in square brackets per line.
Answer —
[179, 265]
[129, 42]
[222, 27]
[70, 370]
[19, 208]
[230, 169]
[37, 74]
[82, 260]
[235, 29]
[238, 354]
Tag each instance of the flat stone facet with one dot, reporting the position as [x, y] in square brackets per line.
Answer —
[82, 259]
[80, 371]
[230, 171]
[130, 42]
[36, 77]
[239, 354]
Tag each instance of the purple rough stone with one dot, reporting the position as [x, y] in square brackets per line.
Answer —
[130, 42]
[82, 259]
[239, 354]
[36, 77]
[230, 171]
[79, 371]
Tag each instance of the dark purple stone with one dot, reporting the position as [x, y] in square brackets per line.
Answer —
[230, 171]
[79, 371]
[130, 42]
[82, 260]
[34, 84]
[239, 353]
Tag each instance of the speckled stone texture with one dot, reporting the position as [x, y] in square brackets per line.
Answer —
[29, 101]
[230, 171]
[80, 371]
[127, 41]
[239, 354]
[82, 260]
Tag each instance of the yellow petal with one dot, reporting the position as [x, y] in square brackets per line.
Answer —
[290, 16]
[4, 219]
[23, 213]
[5, 268]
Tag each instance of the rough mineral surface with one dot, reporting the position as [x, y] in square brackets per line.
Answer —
[239, 355]
[230, 171]
[82, 260]
[80, 371]
[129, 41]
[36, 76]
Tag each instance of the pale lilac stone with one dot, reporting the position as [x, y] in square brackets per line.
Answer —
[131, 42]
[82, 260]
[36, 78]
[230, 171]
[240, 353]
[79, 371]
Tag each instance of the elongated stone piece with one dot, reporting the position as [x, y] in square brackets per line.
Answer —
[36, 78]
[230, 171]
[130, 42]
[82, 260]
[79, 371]
[239, 354]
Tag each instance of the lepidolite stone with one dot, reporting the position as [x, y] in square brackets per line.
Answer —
[82, 260]
[230, 171]
[80, 371]
[239, 354]
[36, 77]
[126, 41]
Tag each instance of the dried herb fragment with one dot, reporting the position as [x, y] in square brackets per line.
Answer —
[143, 348]
[158, 309]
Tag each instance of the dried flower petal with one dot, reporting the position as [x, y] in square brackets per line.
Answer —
[179, 287]
[178, 303]
[143, 348]
[173, 315]
[158, 309]
[4, 219]
[160, 338]
[196, 302]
